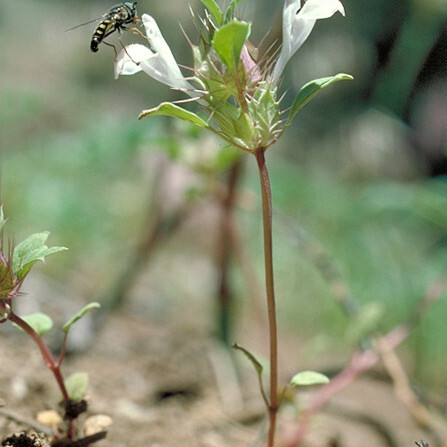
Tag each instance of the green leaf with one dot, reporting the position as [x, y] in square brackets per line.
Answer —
[29, 251]
[255, 362]
[309, 90]
[230, 9]
[229, 40]
[76, 385]
[85, 310]
[40, 322]
[7, 280]
[258, 367]
[307, 378]
[214, 10]
[170, 109]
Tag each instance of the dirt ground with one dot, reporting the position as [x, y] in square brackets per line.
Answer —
[166, 385]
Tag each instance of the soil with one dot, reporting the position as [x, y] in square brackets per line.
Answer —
[167, 385]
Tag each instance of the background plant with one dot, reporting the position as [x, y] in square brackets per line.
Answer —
[15, 265]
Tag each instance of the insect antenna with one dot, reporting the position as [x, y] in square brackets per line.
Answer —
[82, 24]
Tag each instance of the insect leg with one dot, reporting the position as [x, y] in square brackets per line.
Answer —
[111, 45]
[125, 50]
[136, 31]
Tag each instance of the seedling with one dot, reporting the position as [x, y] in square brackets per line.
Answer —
[15, 265]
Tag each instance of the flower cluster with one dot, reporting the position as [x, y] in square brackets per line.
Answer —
[237, 89]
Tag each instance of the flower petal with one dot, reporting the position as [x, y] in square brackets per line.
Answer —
[157, 61]
[298, 25]
[128, 60]
[156, 40]
[321, 9]
[156, 67]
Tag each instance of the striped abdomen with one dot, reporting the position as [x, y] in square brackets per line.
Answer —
[103, 29]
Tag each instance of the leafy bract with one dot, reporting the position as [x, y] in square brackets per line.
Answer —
[229, 40]
[76, 385]
[309, 90]
[2, 218]
[40, 322]
[7, 280]
[214, 10]
[29, 251]
[307, 378]
[86, 309]
[170, 109]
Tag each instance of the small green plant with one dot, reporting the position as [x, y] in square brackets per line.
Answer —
[15, 264]
[239, 93]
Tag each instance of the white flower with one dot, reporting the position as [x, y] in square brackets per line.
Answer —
[298, 23]
[156, 61]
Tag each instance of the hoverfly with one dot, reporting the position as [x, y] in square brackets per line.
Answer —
[115, 19]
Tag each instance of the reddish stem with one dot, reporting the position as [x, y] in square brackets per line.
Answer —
[269, 284]
[47, 355]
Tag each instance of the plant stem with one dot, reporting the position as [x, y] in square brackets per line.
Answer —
[48, 357]
[269, 284]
